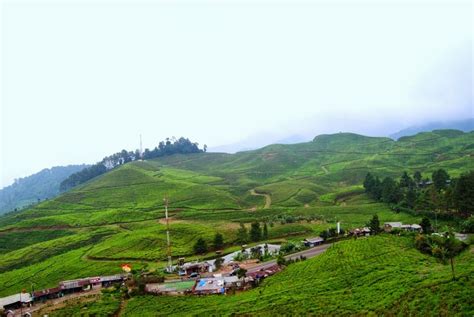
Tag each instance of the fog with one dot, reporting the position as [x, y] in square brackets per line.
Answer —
[83, 79]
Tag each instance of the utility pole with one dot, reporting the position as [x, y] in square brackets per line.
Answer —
[141, 148]
[170, 264]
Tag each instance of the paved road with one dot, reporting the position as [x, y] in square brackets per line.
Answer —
[309, 253]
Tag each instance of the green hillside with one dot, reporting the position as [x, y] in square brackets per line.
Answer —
[117, 217]
[381, 275]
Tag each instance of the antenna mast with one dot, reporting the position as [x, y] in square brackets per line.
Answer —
[170, 264]
[141, 148]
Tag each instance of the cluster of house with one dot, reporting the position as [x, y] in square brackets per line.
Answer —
[209, 266]
[216, 284]
[65, 287]
[389, 226]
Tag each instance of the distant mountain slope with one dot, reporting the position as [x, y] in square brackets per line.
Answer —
[42, 185]
[462, 125]
[293, 175]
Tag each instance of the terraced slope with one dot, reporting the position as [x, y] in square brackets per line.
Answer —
[117, 217]
[381, 275]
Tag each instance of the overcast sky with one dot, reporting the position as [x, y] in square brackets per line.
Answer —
[83, 79]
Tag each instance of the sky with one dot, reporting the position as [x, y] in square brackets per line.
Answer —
[83, 79]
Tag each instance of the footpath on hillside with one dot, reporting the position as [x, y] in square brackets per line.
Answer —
[268, 198]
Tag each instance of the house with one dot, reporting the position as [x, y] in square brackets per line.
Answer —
[360, 232]
[312, 242]
[389, 226]
[212, 285]
[414, 227]
[15, 301]
[45, 294]
[195, 267]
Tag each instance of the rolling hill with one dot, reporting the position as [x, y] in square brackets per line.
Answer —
[117, 216]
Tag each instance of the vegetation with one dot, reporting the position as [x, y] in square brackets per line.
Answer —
[200, 247]
[372, 276]
[117, 218]
[35, 188]
[452, 197]
[168, 147]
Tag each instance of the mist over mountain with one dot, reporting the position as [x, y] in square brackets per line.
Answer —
[462, 125]
[39, 186]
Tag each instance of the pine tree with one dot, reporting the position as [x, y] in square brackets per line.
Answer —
[426, 225]
[242, 235]
[255, 231]
[374, 224]
[265, 231]
[200, 247]
[218, 241]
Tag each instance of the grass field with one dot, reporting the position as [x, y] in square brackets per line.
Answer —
[118, 217]
[376, 275]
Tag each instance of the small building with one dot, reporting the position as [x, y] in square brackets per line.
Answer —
[212, 285]
[312, 242]
[109, 280]
[45, 294]
[15, 301]
[195, 267]
[389, 226]
[358, 232]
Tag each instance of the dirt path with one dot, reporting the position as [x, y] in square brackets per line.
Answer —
[268, 198]
[324, 169]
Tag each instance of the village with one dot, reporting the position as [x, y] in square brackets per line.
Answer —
[225, 274]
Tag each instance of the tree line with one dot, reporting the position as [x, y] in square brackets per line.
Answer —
[442, 194]
[164, 148]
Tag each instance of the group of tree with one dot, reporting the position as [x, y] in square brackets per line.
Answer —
[201, 247]
[256, 232]
[444, 247]
[440, 194]
[164, 148]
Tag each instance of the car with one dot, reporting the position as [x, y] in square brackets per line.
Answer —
[194, 274]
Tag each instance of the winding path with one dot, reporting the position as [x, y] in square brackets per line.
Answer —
[268, 198]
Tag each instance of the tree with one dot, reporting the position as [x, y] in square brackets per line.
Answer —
[417, 177]
[426, 225]
[374, 224]
[440, 177]
[390, 191]
[369, 183]
[281, 259]
[218, 241]
[410, 198]
[242, 235]
[406, 181]
[241, 273]
[265, 231]
[255, 231]
[464, 193]
[200, 247]
[448, 249]
[218, 263]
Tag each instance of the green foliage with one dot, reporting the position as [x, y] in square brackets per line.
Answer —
[380, 275]
[37, 187]
[426, 225]
[242, 235]
[200, 247]
[374, 224]
[440, 177]
[218, 241]
[265, 231]
[255, 232]
[464, 193]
